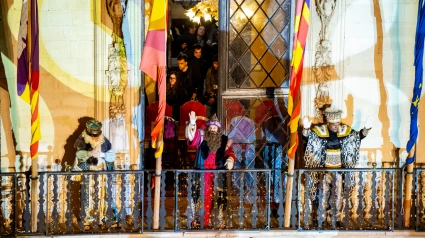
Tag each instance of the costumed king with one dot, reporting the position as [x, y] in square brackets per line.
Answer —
[332, 145]
[213, 152]
[94, 153]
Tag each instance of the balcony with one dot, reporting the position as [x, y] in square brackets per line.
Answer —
[100, 202]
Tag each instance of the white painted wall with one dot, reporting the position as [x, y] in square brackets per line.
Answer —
[357, 61]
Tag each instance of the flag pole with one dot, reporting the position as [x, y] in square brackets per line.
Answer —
[158, 144]
[289, 187]
[34, 183]
[157, 193]
[34, 161]
[408, 194]
[417, 91]
[293, 139]
[302, 13]
[154, 64]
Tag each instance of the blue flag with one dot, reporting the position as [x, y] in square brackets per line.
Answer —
[417, 89]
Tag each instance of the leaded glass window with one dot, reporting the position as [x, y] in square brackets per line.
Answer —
[258, 44]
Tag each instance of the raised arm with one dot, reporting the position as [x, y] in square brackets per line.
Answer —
[191, 126]
[306, 126]
[367, 127]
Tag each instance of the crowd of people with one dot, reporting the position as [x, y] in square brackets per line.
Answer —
[196, 78]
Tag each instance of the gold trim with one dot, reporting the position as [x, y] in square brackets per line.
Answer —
[333, 167]
[333, 150]
[344, 133]
[319, 132]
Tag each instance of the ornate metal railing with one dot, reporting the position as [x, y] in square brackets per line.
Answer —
[218, 199]
[193, 200]
[94, 202]
[8, 191]
[420, 199]
[346, 199]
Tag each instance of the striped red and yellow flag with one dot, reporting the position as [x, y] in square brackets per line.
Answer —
[302, 17]
[154, 64]
[28, 69]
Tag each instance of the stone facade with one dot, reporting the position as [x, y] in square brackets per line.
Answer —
[371, 57]
[74, 41]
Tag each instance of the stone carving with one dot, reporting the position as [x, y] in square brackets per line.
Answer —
[323, 68]
[116, 10]
[325, 9]
[117, 74]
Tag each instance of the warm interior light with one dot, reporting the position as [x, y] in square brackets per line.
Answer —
[248, 12]
[208, 9]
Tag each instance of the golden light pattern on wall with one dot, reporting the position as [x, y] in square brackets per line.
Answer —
[63, 58]
[68, 94]
[373, 57]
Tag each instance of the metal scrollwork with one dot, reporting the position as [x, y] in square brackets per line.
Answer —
[41, 201]
[190, 209]
[360, 209]
[254, 210]
[162, 212]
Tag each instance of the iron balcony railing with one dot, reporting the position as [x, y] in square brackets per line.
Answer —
[419, 194]
[98, 202]
[346, 199]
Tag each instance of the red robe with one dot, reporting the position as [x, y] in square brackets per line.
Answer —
[208, 160]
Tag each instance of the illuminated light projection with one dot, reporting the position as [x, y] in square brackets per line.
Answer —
[356, 87]
[21, 118]
[356, 57]
[66, 66]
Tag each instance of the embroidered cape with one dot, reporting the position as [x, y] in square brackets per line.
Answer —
[315, 153]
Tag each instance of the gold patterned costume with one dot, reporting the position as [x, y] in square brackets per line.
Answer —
[331, 149]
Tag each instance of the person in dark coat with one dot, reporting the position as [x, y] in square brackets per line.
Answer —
[174, 96]
[199, 69]
[190, 86]
[187, 39]
[201, 39]
[211, 88]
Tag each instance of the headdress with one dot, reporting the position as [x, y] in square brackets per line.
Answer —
[94, 128]
[332, 115]
[214, 121]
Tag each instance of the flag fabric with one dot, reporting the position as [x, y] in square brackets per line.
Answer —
[28, 69]
[158, 130]
[417, 88]
[302, 17]
[154, 64]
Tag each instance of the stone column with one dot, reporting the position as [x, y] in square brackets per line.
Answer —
[321, 78]
[117, 58]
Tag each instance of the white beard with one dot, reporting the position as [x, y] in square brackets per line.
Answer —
[96, 145]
